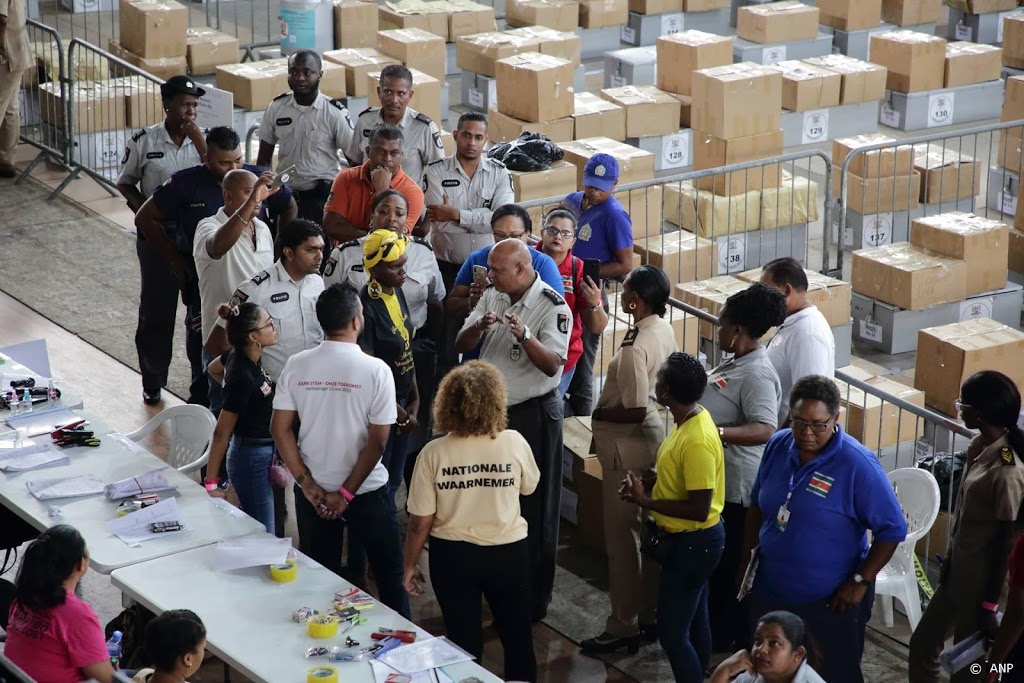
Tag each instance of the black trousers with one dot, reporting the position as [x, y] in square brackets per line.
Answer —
[158, 307]
[728, 617]
[199, 388]
[447, 356]
[460, 573]
[424, 355]
[539, 420]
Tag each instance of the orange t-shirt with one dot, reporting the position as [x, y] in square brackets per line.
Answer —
[352, 194]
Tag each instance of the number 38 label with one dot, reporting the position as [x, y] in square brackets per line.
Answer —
[940, 109]
[731, 251]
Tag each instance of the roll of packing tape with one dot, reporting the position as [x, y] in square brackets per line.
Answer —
[322, 626]
[283, 573]
[322, 674]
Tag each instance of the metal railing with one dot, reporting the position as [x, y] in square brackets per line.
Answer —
[250, 136]
[43, 99]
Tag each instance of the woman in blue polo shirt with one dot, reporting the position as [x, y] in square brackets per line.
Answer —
[816, 495]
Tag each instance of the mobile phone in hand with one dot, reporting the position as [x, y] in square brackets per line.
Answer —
[282, 178]
[480, 275]
[592, 269]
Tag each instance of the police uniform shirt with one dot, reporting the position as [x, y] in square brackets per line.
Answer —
[422, 144]
[423, 284]
[151, 157]
[15, 53]
[549, 320]
[291, 304]
[476, 199]
[309, 137]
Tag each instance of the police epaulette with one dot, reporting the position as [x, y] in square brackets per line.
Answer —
[138, 136]
[281, 96]
[420, 116]
[353, 243]
[338, 103]
[261, 277]
[420, 240]
[368, 110]
[553, 295]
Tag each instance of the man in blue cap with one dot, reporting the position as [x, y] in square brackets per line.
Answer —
[605, 233]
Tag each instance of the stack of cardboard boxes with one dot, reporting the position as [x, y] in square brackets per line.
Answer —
[852, 22]
[776, 31]
[544, 95]
[912, 15]
[207, 48]
[582, 500]
[153, 36]
[681, 54]
[1013, 41]
[978, 21]
[875, 422]
[447, 19]
[652, 124]
[649, 19]
[355, 23]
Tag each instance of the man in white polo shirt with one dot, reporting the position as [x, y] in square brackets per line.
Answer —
[345, 402]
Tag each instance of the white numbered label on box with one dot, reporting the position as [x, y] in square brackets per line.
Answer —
[675, 151]
[476, 99]
[972, 309]
[877, 230]
[815, 127]
[671, 24]
[963, 32]
[731, 252]
[940, 109]
[847, 235]
[871, 331]
[1007, 204]
[771, 55]
[618, 81]
[628, 35]
[889, 116]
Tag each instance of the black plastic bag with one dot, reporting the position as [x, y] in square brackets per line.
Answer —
[527, 153]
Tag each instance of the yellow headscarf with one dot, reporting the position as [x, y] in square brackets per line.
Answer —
[386, 246]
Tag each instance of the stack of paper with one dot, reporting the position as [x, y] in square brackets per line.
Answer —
[250, 552]
[32, 457]
[153, 481]
[66, 487]
[135, 528]
[41, 420]
[425, 654]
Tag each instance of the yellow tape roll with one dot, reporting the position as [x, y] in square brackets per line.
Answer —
[283, 573]
[322, 674]
[322, 626]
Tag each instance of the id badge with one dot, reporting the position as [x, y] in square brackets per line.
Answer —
[782, 519]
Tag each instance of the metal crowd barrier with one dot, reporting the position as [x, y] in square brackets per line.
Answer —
[250, 136]
[43, 99]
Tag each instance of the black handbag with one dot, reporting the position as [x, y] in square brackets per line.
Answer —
[654, 542]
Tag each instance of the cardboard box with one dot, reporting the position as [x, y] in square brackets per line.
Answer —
[968, 63]
[1016, 252]
[806, 87]
[831, 296]
[709, 295]
[468, 19]
[563, 15]
[97, 106]
[254, 84]
[862, 81]
[680, 54]
[649, 111]
[793, 202]
[408, 14]
[603, 13]
[1010, 150]
[947, 355]
[564, 44]
[915, 61]
[644, 209]
[543, 87]
[596, 117]
[873, 420]
[682, 255]
[590, 505]
[1013, 40]
[897, 160]
[982, 6]
[503, 128]
[704, 5]
[869, 196]
[355, 23]
[153, 29]
[946, 176]
[358, 62]
[480, 53]
[737, 101]
[558, 180]
[1013, 99]
[712, 152]
[143, 102]
[709, 215]
[332, 83]
[416, 48]
[777, 22]
[908, 277]
[161, 67]
[911, 12]
[207, 48]
[685, 109]
[980, 242]
[850, 15]
[427, 98]
[634, 164]
[655, 6]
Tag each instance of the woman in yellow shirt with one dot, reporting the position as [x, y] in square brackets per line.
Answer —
[685, 506]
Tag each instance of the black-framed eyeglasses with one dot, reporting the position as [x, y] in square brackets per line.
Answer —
[555, 232]
[270, 324]
[502, 236]
[816, 427]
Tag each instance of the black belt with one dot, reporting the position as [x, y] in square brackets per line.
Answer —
[254, 441]
[551, 394]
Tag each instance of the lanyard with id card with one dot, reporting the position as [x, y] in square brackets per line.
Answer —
[782, 517]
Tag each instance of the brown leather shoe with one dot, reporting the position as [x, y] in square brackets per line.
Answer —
[7, 171]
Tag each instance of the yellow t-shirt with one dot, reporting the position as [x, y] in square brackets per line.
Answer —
[472, 486]
[691, 459]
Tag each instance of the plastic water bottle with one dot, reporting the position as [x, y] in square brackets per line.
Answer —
[114, 649]
[15, 403]
[26, 402]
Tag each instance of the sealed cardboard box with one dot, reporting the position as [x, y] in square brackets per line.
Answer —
[737, 101]
[947, 355]
[777, 22]
[869, 196]
[793, 202]
[968, 63]
[908, 277]
[871, 418]
[153, 29]
[634, 164]
[564, 44]
[480, 53]
[982, 6]
[503, 128]
[1013, 99]
[358, 62]
[143, 102]
[712, 152]
[560, 179]
[254, 84]
[709, 215]
[355, 23]
[862, 81]
[704, 5]
[644, 209]
[578, 446]
[981, 242]
[946, 176]
[161, 67]
[832, 297]
[596, 117]
[915, 61]
[468, 19]
[207, 48]
[850, 15]
[806, 87]
[911, 12]
[427, 98]
[1016, 255]
[416, 48]
[543, 87]
[709, 295]
[680, 54]
[649, 111]
[603, 13]
[97, 106]
[893, 160]
[563, 15]
[1013, 41]
[431, 17]
[682, 255]
[655, 6]
[685, 109]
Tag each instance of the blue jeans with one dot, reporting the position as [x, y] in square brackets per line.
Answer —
[216, 394]
[249, 462]
[563, 386]
[683, 626]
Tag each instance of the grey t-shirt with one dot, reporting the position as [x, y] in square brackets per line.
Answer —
[743, 391]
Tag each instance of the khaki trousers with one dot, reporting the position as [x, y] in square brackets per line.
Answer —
[953, 611]
[10, 126]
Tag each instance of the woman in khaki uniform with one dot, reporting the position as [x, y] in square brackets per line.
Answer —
[628, 428]
[973, 577]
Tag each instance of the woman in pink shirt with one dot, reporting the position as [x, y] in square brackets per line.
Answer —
[52, 635]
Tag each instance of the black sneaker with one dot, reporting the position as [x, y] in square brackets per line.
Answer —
[607, 643]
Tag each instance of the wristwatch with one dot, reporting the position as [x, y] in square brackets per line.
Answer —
[721, 433]
[857, 578]
[526, 336]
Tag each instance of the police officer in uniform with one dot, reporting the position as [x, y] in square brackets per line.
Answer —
[524, 325]
[152, 156]
[311, 129]
[15, 57]
[421, 137]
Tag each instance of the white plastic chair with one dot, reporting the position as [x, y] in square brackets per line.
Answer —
[191, 435]
[918, 494]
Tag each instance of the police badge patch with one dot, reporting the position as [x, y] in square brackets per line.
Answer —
[331, 265]
[515, 353]
[563, 323]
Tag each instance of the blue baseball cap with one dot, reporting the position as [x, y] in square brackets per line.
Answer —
[602, 172]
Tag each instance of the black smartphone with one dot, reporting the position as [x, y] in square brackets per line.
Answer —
[592, 269]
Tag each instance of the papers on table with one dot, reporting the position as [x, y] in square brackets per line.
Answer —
[425, 654]
[65, 487]
[250, 552]
[382, 673]
[41, 420]
[31, 457]
[153, 481]
[135, 528]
